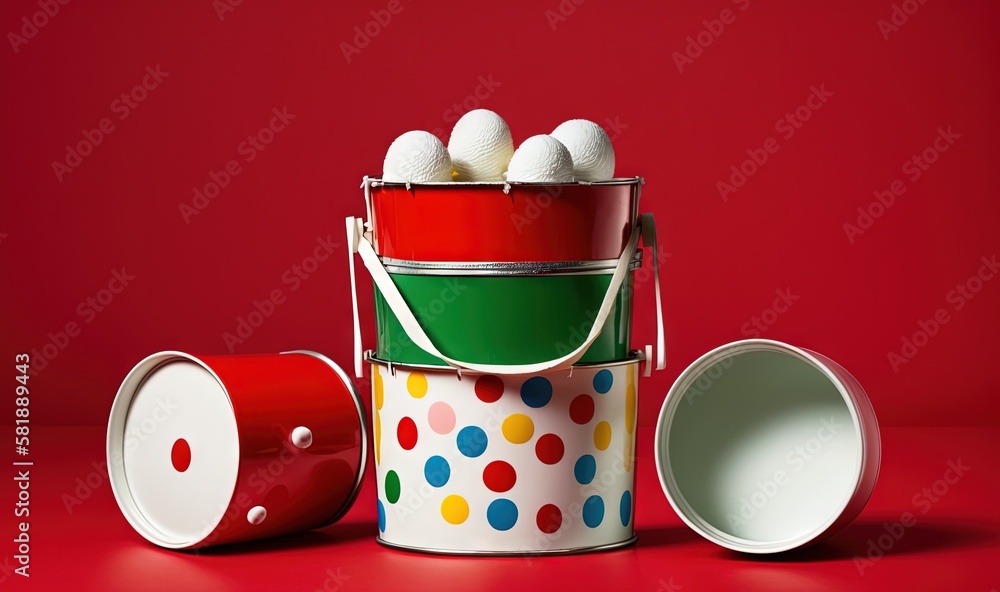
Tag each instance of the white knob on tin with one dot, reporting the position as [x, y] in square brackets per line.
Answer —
[256, 515]
[302, 437]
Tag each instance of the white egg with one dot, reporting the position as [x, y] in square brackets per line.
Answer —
[541, 159]
[416, 157]
[480, 146]
[590, 147]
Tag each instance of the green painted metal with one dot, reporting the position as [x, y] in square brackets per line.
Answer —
[505, 319]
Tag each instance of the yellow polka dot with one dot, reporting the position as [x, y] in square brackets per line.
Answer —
[518, 428]
[628, 453]
[378, 438]
[454, 509]
[602, 435]
[630, 408]
[378, 387]
[416, 384]
[630, 375]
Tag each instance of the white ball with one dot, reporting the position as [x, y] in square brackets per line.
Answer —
[416, 157]
[480, 146]
[541, 159]
[590, 147]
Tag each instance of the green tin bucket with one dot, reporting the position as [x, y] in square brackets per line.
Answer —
[503, 318]
[481, 315]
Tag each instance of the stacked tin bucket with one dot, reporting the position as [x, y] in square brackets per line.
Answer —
[504, 383]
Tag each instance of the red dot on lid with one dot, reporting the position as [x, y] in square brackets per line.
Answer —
[180, 455]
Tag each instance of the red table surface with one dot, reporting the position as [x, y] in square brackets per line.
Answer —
[952, 546]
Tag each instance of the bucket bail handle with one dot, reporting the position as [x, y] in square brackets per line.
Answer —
[358, 243]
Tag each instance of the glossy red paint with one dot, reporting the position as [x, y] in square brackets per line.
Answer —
[528, 223]
[271, 395]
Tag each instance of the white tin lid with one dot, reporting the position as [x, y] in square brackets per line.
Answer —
[763, 447]
[173, 449]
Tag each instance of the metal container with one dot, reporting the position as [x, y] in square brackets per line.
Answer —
[506, 313]
[472, 463]
[207, 450]
[764, 447]
[506, 222]
[503, 317]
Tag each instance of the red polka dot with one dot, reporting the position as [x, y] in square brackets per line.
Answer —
[549, 519]
[581, 410]
[406, 433]
[180, 455]
[499, 476]
[549, 449]
[489, 388]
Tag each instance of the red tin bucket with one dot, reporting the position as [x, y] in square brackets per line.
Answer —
[502, 222]
[207, 450]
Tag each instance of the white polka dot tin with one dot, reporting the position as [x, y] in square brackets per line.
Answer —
[208, 450]
[476, 463]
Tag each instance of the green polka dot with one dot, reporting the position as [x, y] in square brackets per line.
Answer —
[392, 487]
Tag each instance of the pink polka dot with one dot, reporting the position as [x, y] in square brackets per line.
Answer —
[441, 417]
[406, 433]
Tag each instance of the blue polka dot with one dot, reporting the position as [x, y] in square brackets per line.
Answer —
[502, 514]
[437, 471]
[603, 381]
[593, 511]
[625, 509]
[381, 516]
[472, 441]
[536, 392]
[585, 469]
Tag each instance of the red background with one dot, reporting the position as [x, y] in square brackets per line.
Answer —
[606, 61]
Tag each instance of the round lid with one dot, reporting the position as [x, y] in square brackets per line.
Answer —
[760, 446]
[173, 449]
